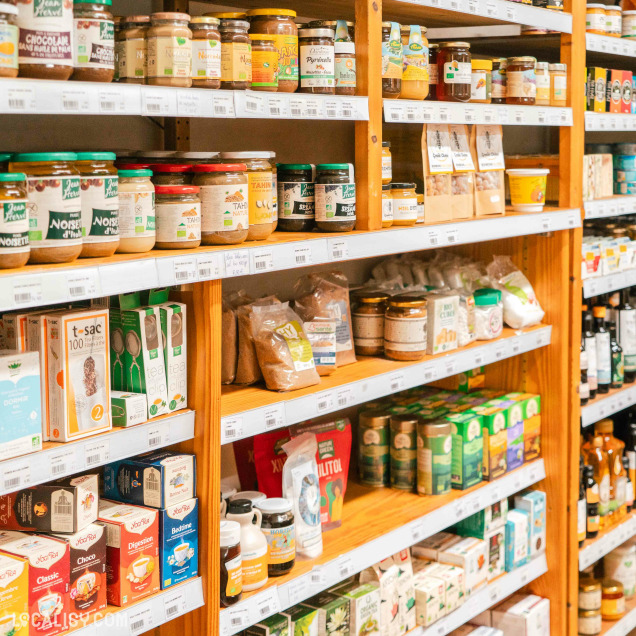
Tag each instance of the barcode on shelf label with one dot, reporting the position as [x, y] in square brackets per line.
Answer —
[494, 592]
[542, 116]
[338, 249]
[209, 267]
[473, 6]
[278, 107]
[427, 114]
[572, 220]
[158, 436]
[274, 417]
[62, 463]
[299, 589]
[345, 567]
[452, 236]
[489, 115]
[268, 603]
[429, 374]
[344, 397]
[500, 351]
[546, 223]
[110, 101]
[237, 263]
[27, 292]
[459, 509]
[238, 618]
[185, 270]
[262, 260]
[223, 105]
[16, 476]
[503, 115]
[444, 115]
[478, 359]
[418, 531]
[296, 107]
[470, 115]
[433, 238]
[21, 100]
[140, 620]
[312, 108]
[174, 605]
[302, 256]
[96, 453]
[511, 14]
[534, 473]
[347, 109]
[515, 345]
[411, 113]
[543, 338]
[518, 117]
[232, 428]
[491, 9]
[331, 109]
[396, 382]
[74, 101]
[450, 367]
[83, 284]
[154, 104]
[254, 104]
[318, 577]
[324, 402]
[394, 114]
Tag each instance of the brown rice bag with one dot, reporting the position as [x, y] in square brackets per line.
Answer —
[229, 343]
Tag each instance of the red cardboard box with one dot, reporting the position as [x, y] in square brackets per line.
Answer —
[614, 91]
[627, 92]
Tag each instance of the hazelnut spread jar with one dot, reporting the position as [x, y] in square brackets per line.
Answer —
[405, 327]
[94, 41]
[206, 52]
[367, 318]
[279, 530]
[14, 220]
[170, 50]
[317, 61]
[236, 55]
[171, 173]
[264, 63]
[99, 194]
[8, 40]
[296, 197]
[55, 210]
[335, 197]
[178, 212]
[136, 211]
[132, 54]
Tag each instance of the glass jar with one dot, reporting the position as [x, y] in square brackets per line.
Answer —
[178, 211]
[499, 87]
[8, 40]
[613, 600]
[260, 191]
[488, 313]
[542, 74]
[454, 72]
[206, 52]
[231, 563]
[403, 451]
[387, 163]
[335, 197]
[595, 18]
[340, 27]
[117, 23]
[420, 208]
[589, 594]
[93, 41]
[374, 437]
[433, 72]
[169, 50]
[317, 61]
[629, 24]
[14, 221]
[367, 321]
[558, 84]
[224, 202]
[434, 451]
[280, 23]
[521, 81]
[405, 327]
[415, 62]
[391, 60]
[55, 208]
[155, 156]
[481, 81]
[171, 173]
[136, 211]
[274, 210]
[236, 55]
[133, 49]
[590, 622]
[296, 197]
[194, 158]
[278, 527]
[99, 194]
[345, 63]
[613, 21]
[264, 63]
[404, 203]
[387, 206]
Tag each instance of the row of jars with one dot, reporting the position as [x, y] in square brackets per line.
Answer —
[610, 20]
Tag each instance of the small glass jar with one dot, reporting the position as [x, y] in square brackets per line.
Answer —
[296, 197]
[488, 313]
[206, 52]
[236, 54]
[132, 50]
[8, 40]
[171, 173]
[404, 204]
[613, 600]
[346, 25]
[93, 41]
[433, 71]
[542, 74]
[405, 327]
[387, 206]
[231, 563]
[391, 60]
[264, 63]
[274, 210]
[499, 80]
[521, 84]
[345, 66]
[420, 208]
[373, 447]
[590, 622]
[178, 210]
[367, 321]
[14, 221]
[387, 163]
[335, 197]
[118, 20]
[558, 84]
[629, 24]
[278, 527]
[481, 81]
[589, 594]
[595, 18]
[454, 72]
[415, 65]
[136, 211]
[317, 61]
[613, 21]
[170, 50]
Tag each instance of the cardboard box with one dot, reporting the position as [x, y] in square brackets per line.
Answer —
[523, 615]
[534, 503]
[471, 555]
[454, 583]
[38, 341]
[158, 479]
[14, 595]
[530, 404]
[633, 94]
[495, 441]
[515, 450]
[406, 592]
[302, 620]
[442, 315]
[333, 613]
[430, 604]
[430, 547]
[128, 409]
[276, 625]
[132, 538]
[48, 579]
[385, 574]
[496, 544]
[175, 353]
[364, 606]
[626, 106]
[485, 521]
[470, 380]
[468, 449]
[179, 542]
[613, 91]
[66, 506]
[517, 539]
[117, 350]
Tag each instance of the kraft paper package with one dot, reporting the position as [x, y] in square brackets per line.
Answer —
[438, 169]
[463, 179]
[486, 145]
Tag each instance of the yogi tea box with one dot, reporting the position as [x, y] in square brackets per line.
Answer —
[179, 542]
[14, 596]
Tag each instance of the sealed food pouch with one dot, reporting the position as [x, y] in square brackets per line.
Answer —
[229, 344]
[438, 168]
[486, 146]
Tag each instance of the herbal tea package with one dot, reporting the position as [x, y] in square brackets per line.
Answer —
[486, 145]
[462, 180]
[438, 168]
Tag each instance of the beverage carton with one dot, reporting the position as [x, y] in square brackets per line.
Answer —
[276, 625]
[517, 539]
[128, 408]
[303, 620]
[117, 350]
[613, 91]
[175, 353]
[406, 593]
[14, 596]
[496, 544]
[179, 542]
[430, 547]
[485, 521]
[626, 104]
[495, 441]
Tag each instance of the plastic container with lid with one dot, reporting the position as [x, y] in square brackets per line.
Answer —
[335, 197]
[264, 63]
[14, 221]
[481, 81]
[595, 18]
[612, 601]
[206, 52]
[373, 448]
[131, 49]
[454, 72]
[99, 194]
[619, 564]
[589, 594]
[499, 80]
[629, 24]
[231, 563]
[280, 24]
[169, 50]
[403, 451]
[224, 202]
[404, 203]
[527, 188]
[434, 451]
[391, 60]
[521, 84]
[488, 313]
[279, 530]
[590, 622]
[542, 75]
[178, 212]
[55, 209]
[387, 206]
[136, 211]
[296, 197]
[387, 163]
[171, 173]
[558, 84]
[367, 321]
[613, 21]
[93, 41]
[8, 40]
[415, 62]
[316, 55]
[405, 327]
[236, 54]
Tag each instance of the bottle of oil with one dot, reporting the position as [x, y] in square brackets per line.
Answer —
[592, 501]
[618, 373]
[629, 486]
[590, 348]
[627, 335]
[603, 350]
[597, 459]
[581, 508]
[614, 449]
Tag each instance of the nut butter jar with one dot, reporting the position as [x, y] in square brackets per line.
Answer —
[206, 52]
[405, 327]
[132, 49]
[93, 41]
[178, 210]
[14, 220]
[170, 50]
[8, 40]
[236, 54]
[317, 61]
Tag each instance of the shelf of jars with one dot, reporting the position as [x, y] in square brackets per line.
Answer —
[595, 549]
[608, 283]
[615, 206]
[605, 405]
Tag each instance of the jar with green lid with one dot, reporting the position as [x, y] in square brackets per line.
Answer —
[387, 206]
[367, 321]
[335, 197]
[206, 52]
[434, 454]
[99, 193]
[317, 60]
[55, 208]
[14, 221]
[387, 163]
[403, 451]
[374, 437]
[93, 41]
[296, 197]
[8, 40]
[136, 211]
[405, 327]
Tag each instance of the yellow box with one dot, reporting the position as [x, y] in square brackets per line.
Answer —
[14, 595]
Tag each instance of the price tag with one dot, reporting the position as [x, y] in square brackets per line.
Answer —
[299, 589]
[158, 436]
[489, 115]
[268, 603]
[444, 114]
[518, 117]
[479, 359]
[503, 115]
[21, 100]
[262, 260]
[75, 101]
[433, 238]
[62, 463]
[303, 256]
[188, 103]
[565, 116]
[542, 116]
[154, 104]
[318, 577]
[491, 9]
[427, 114]
[347, 109]
[344, 397]
[84, 283]
[517, 482]
[511, 14]
[278, 106]
[495, 495]
[97, 453]
[17, 475]
[274, 417]
[573, 220]
[612, 209]
[27, 291]
[396, 382]
[459, 509]
[515, 345]
[237, 263]
[543, 338]
[600, 123]
[209, 266]
[473, 6]
[418, 531]
[223, 104]
[174, 605]
[475, 504]
[469, 115]
[450, 367]
[313, 108]
[324, 403]
[331, 109]
[452, 236]
[345, 567]
[429, 373]
[238, 618]
[140, 620]
[338, 249]
[622, 208]
[232, 428]
[500, 351]
[185, 270]
[494, 592]
[254, 103]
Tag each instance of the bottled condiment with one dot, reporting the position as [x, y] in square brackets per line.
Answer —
[387, 206]
[264, 63]
[171, 173]
[597, 458]
[415, 62]
[403, 452]
[543, 84]
[434, 451]
[558, 84]
[223, 189]
[391, 60]
[603, 350]
[433, 71]
[590, 622]
[387, 163]
[613, 600]
[136, 211]
[231, 563]
[236, 54]
[279, 530]
[178, 216]
[206, 52]
[93, 41]
[589, 593]
[614, 448]
[595, 18]
[592, 503]
[317, 61]
[367, 317]
[345, 62]
[132, 49]
[169, 50]
[481, 81]
[521, 81]
[374, 437]
[581, 517]
[335, 197]
[404, 204]
[629, 24]
[454, 72]
[499, 80]
[629, 485]
[8, 40]
[14, 221]
[405, 327]
[296, 197]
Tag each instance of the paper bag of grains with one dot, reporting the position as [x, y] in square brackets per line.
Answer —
[463, 177]
[486, 146]
[229, 344]
[438, 168]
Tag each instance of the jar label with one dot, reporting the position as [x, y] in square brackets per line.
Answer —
[614, 607]
[387, 168]
[264, 68]
[368, 330]
[335, 202]
[559, 89]
[224, 208]
[136, 215]
[345, 72]
[405, 209]
[457, 72]
[415, 60]
[287, 47]
[297, 200]
[55, 211]
[236, 62]
[434, 464]
[387, 209]
[590, 600]
[254, 566]
[274, 196]
[405, 334]
[595, 21]
[392, 54]
[522, 84]
[498, 84]
[14, 227]
[94, 43]
[177, 222]
[317, 66]
[373, 455]
[420, 213]
[206, 59]
[590, 625]
[479, 86]
[133, 59]
[629, 25]
[433, 74]
[234, 569]
[100, 209]
[282, 544]
[46, 32]
[169, 57]
[8, 46]
[260, 197]
[543, 87]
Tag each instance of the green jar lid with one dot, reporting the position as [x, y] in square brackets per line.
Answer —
[293, 166]
[12, 176]
[5, 156]
[135, 173]
[332, 166]
[108, 2]
[37, 157]
[96, 156]
[487, 296]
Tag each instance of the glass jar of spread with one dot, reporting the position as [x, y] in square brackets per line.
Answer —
[280, 23]
[14, 221]
[415, 62]
[613, 21]
[403, 450]
[373, 447]
[590, 622]
[93, 41]
[224, 202]
[405, 327]
[367, 321]
[521, 81]
[296, 197]
[155, 156]
[194, 158]
[132, 53]
[178, 212]
[629, 24]
[499, 80]
[279, 530]
[264, 63]
[433, 73]
[236, 54]
[171, 173]
[589, 594]
[317, 61]
[206, 52]
[391, 60]
[434, 452]
[136, 211]
[454, 72]
[260, 180]
[612, 600]
[55, 208]
[595, 18]
[559, 84]
[481, 81]
[337, 26]
[99, 194]
[387, 163]
[387, 206]
[345, 63]
[231, 563]
[404, 203]
[8, 40]
[274, 210]
[169, 50]
[335, 197]
[542, 74]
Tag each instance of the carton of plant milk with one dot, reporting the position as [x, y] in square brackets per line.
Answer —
[78, 374]
[175, 353]
[179, 542]
[14, 595]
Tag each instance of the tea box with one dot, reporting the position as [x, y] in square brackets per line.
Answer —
[37, 341]
[470, 380]
[495, 541]
[14, 596]
[485, 521]
[626, 93]
[430, 547]
[118, 377]
[303, 620]
[531, 413]
[495, 441]
[333, 613]
[364, 606]
[406, 593]
[515, 450]
[517, 539]
[534, 503]
[454, 583]
[276, 625]
[468, 449]
[179, 542]
[128, 409]
[385, 574]
[175, 350]
[430, 604]
[523, 615]
[613, 91]
[471, 555]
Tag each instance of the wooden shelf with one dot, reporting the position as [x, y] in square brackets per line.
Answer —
[605, 542]
[606, 404]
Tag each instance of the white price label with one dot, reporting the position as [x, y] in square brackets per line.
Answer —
[185, 270]
[494, 592]
[542, 116]
[188, 103]
[274, 417]
[572, 220]
[543, 338]
[299, 589]
[268, 603]
[473, 6]
[331, 109]
[491, 9]
[433, 238]
[237, 263]
[155, 104]
[347, 109]
[396, 382]
[96, 453]
[503, 115]
[429, 374]
[450, 367]
[427, 114]
[111, 101]
[224, 104]
[478, 359]
[452, 237]
[460, 509]
[411, 113]
[515, 345]
[21, 100]
[16, 476]
[174, 605]
[238, 618]
[232, 428]
[318, 577]
[75, 101]
[546, 223]
[278, 106]
[622, 208]
[324, 402]
[303, 256]
[418, 531]
[82, 284]
[511, 14]
[500, 351]
[444, 114]
[140, 620]
[344, 397]
[254, 104]
[296, 107]
[518, 117]
[345, 567]
[489, 115]
[62, 463]
[313, 108]
[534, 473]
[157, 436]
[262, 260]
[209, 266]
[27, 292]
[338, 249]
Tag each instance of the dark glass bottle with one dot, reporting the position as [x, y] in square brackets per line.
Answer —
[590, 348]
[581, 508]
[603, 350]
[629, 487]
[617, 359]
[627, 335]
[584, 385]
[592, 500]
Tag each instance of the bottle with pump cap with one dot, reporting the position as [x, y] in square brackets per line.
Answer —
[590, 348]
[603, 350]
[592, 500]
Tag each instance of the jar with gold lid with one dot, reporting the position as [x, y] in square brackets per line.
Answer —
[542, 75]
[404, 204]
[590, 622]
[558, 84]
[206, 52]
[387, 163]
[595, 18]
[612, 600]
[521, 81]
[367, 318]
[454, 72]
[589, 593]
[405, 327]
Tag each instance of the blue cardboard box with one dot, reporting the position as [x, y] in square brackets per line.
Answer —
[179, 542]
[517, 539]
[534, 503]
